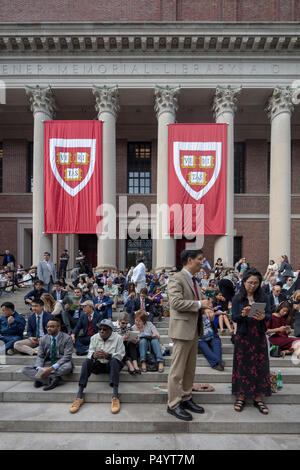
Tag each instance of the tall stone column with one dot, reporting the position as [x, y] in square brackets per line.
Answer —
[279, 109]
[107, 106]
[42, 105]
[224, 107]
[165, 107]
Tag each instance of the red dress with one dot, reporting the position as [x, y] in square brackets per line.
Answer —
[281, 338]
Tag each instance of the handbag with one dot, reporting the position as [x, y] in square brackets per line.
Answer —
[151, 363]
[275, 351]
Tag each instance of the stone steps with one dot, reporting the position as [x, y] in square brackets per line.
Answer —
[158, 441]
[24, 409]
[145, 392]
[145, 418]
[203, 374]
[275, 363]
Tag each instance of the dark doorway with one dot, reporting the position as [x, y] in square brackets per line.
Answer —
[88, 244]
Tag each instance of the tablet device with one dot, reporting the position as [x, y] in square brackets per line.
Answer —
[256, 307]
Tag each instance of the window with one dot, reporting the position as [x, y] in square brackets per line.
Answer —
[139, 167]
[239, 167]
[237, 249]
[136, 249]
[30, 168]
[1, 167]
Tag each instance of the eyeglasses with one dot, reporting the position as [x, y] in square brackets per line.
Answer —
[103, 329]
[250, 283]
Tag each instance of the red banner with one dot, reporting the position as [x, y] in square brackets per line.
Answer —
[197, 178]
[73, 175]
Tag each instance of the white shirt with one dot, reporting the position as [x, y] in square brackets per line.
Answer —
[191, 276]
[139, 273]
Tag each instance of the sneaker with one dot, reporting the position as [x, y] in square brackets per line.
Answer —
[77, 403]
[10, 352]
[115, 405]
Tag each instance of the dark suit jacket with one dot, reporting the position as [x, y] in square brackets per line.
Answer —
[63, 294]
[137, 305]
[83, 323]
[5, 262]
[272, 301]
[31, 327]
[34, 294]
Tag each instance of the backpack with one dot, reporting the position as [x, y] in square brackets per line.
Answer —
[151, 363]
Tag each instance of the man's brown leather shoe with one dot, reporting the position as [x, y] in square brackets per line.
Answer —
[115, 405]
[76, 405]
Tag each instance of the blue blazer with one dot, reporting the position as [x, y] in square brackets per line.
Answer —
[107, 308]
[83, 323]
[12, 329]
[31, 327]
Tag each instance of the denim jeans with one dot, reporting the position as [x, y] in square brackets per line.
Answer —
[143, 346]
[212, 350]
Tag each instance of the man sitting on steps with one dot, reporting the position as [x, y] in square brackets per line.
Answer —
[54, 357]
[105, 355]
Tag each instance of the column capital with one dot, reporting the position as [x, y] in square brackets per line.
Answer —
[281, 101]
[107, 99]
[165, 99]
[41, 100]
[225, 99]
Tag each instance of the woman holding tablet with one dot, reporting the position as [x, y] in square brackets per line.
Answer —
[251, 375]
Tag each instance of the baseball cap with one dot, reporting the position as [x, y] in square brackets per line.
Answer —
[88, 302]
[106, 322]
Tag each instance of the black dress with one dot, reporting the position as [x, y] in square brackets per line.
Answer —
[251, 370]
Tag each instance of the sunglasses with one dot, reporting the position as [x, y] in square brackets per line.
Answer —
[100, 292]
[103, 329]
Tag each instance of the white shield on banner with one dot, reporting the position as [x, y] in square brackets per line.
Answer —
[197, 146]
[73, 143]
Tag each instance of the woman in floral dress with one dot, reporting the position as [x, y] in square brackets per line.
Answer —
[251, 374]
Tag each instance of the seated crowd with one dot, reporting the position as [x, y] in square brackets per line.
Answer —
[79, 316]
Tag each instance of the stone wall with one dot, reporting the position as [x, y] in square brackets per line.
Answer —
[150, 10]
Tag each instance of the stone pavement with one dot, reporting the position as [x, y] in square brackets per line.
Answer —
[33, 419]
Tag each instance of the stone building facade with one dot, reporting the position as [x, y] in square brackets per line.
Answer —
[139, 65]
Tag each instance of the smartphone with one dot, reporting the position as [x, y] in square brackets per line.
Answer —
[256, 307]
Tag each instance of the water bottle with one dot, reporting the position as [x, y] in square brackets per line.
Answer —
[279, 380]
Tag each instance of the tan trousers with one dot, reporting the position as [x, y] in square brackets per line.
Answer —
[182, 371]
[25, 346]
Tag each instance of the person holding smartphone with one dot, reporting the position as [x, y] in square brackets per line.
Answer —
[279, 329]
[250, 374]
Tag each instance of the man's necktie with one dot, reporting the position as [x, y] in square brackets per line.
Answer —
[53, 352]
[37, 327]
[199, 324]
[195, 287]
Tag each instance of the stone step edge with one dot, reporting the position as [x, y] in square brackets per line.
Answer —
[147, 419]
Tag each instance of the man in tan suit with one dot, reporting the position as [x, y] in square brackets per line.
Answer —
[187, 303]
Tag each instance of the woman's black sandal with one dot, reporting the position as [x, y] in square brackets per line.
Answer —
[239, 405]
[261, 407]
